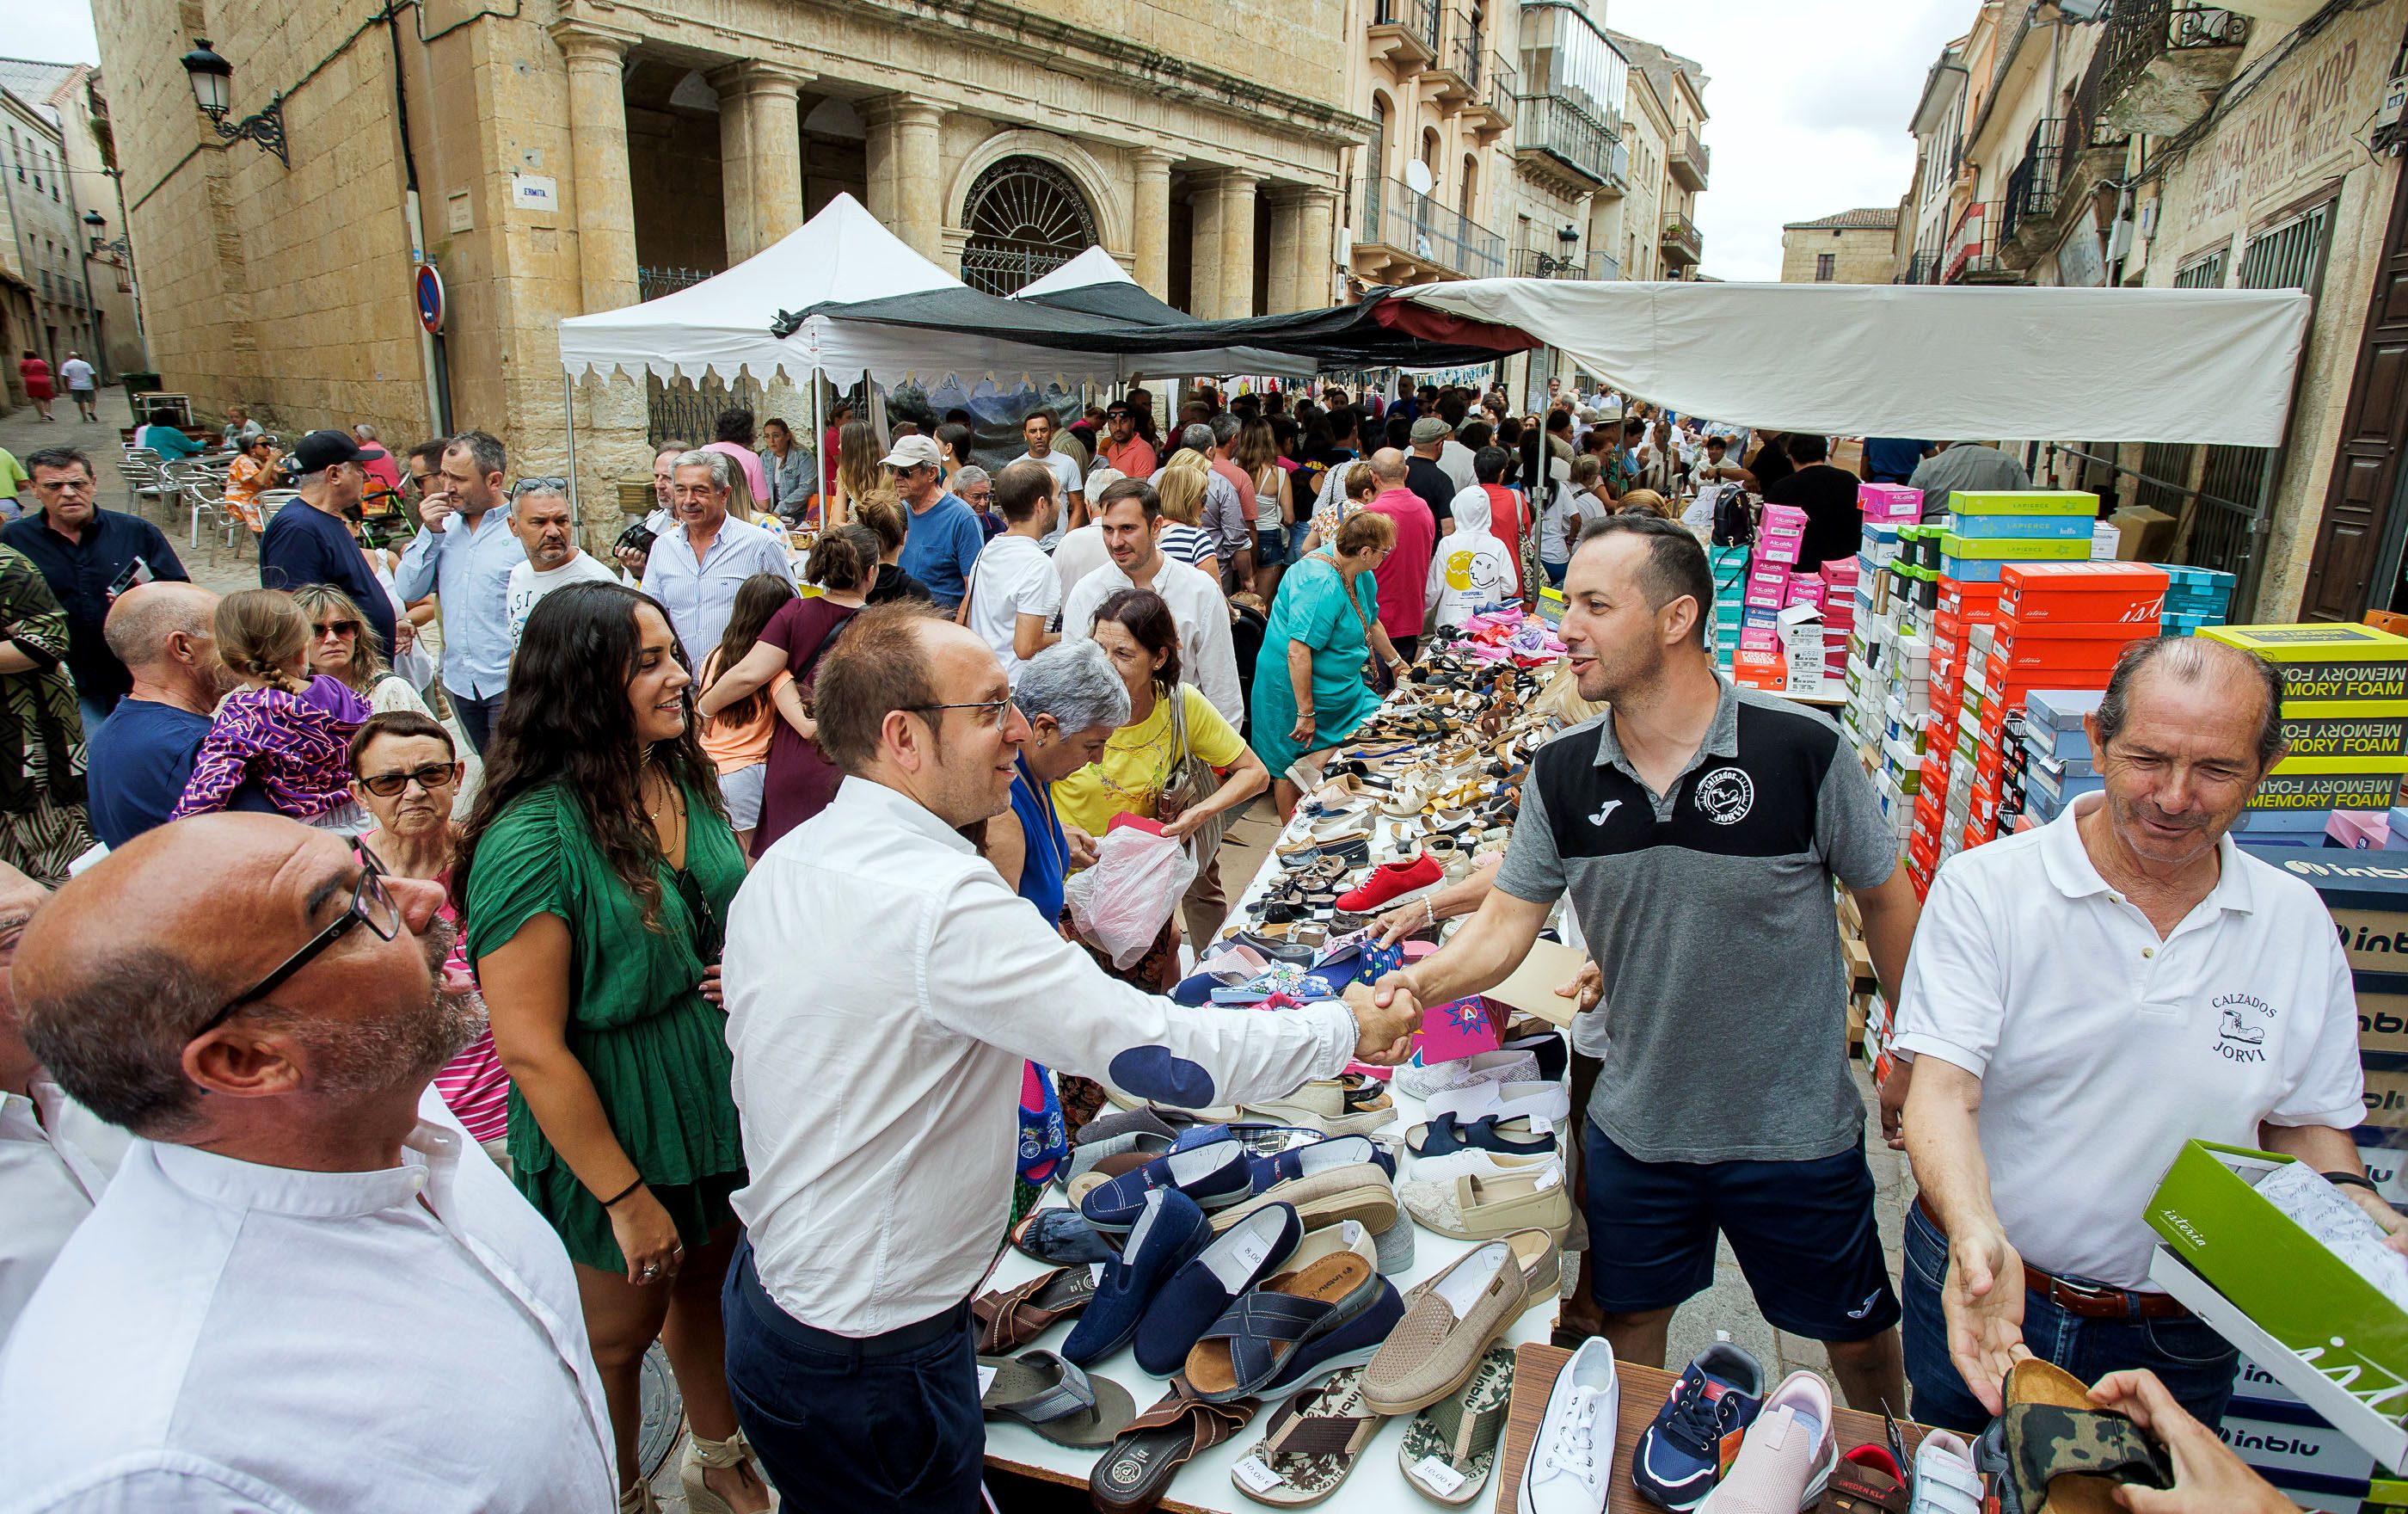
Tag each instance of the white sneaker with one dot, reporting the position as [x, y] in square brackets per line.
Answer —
[1475, 1162]
[1571, 1458]
[1788, 1456]
[1488, 1067]
[1945, 1481]
[1541, 1099]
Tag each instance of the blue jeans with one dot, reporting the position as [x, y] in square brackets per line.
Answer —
[1554, 572]
[2195, 1363]
[852, 1425]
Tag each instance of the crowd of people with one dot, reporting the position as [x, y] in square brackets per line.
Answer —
[728, 919]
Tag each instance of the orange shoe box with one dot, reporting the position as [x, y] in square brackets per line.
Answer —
[2113, 593]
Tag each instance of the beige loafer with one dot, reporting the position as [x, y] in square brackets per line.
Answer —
[1448, 1325]
[1483, 1209]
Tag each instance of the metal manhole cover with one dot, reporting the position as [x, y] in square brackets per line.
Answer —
[664, 1412]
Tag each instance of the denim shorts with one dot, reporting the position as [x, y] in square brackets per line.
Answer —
[1271, 546]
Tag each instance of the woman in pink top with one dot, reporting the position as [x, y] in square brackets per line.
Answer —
[407, 771]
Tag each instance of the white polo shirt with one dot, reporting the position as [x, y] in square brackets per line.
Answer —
[2101, 1048]
[55, 1160]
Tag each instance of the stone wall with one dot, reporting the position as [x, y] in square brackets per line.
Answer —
[1860, 256]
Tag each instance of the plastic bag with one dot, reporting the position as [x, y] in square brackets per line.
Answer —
[1122, 902]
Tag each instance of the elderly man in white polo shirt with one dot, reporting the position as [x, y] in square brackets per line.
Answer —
[2080, 1000]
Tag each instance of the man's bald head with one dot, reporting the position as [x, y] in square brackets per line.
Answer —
[145, 616]
[1388, 466]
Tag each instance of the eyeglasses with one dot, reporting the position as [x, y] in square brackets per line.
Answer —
[992, 717]
[371, 906]
[334, 627]
[432, 776]
[538, 486]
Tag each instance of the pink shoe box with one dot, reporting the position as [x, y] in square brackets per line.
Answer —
[1465, 1027]
[1758, 639]
[2364, 830]
[1779, 545]
[1765, 597]
[1784, 518]
[1806, 588]
[1839, 572]
[1890, 502]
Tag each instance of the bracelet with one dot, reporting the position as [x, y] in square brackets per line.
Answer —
[1430, 912]
[623, 1192]
[2353, 1180]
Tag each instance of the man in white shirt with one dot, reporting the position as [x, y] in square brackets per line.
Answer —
[81, 382]
[2079, 1000]
[1070, 504]
[878, 1091]
[1131, 515]
[302, 1237]
[1013, 593]
[695, 569]
[1081, 552]
[540, 518]
[55, 1155]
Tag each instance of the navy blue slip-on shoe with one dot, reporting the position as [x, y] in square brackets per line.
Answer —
[1168, 1232]
[1195, 991]
[1319, 1156]
[1200, 1291]
[1349, 1344]
[1215, 1174]
[1554, 1052]
[1446, 1135]
[1061, 1238]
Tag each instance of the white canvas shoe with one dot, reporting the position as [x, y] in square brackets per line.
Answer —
[1571, 1459]
[1542, 1099]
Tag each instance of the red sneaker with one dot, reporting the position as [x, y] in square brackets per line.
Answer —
[1387, 882]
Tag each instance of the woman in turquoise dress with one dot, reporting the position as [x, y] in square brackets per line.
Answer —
[1310, 690]
[594, 875]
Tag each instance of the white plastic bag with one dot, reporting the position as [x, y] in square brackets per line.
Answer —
[1121, 902]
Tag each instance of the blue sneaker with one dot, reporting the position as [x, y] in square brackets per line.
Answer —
[1682, 1453]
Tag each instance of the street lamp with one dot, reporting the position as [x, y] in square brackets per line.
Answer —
[98, 223]
[212, 79]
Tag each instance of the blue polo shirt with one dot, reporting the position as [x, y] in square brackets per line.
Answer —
[302, 544]
[942, 546]
[1892, 459]
[137, 764]
[80, 573]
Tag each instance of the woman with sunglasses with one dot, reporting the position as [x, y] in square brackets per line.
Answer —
[346, 648]
[595, 873]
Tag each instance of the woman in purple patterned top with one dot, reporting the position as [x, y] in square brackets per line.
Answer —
[289, 734]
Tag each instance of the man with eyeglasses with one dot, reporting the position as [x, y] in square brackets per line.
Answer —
[878, 1089]
[695, 569]
[541, 519]
[463, 552]
[304, 1237]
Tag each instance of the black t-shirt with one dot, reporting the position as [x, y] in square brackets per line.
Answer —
[1771, 464]
[1835, 522]
[1314, 470]
[1425, 478]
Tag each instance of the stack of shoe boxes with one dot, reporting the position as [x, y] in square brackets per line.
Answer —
[2345, 697]
[2058, 767]
[1987, 530]
[2195, 597]
[1839, 602]
[1730, 566]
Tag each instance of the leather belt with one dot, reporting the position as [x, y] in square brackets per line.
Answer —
[2083, 1301]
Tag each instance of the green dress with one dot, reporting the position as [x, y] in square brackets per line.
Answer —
[655, 1048]
[1312, 608]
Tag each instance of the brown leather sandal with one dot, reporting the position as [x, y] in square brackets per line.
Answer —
[1009, 1319]
[1134, 1474]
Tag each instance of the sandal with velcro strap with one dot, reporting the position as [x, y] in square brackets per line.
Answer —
[2064, 1455]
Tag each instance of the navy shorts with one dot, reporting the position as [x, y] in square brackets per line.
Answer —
[1804, 1233]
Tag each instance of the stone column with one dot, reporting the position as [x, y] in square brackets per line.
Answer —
[1316, 242]
[903, 164]
[774, 128]
[1150, 233]
[735, 161]
[1204, 250]
[603, 195]
[1286, 214]
[1235, 191]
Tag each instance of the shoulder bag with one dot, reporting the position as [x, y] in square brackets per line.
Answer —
[1375, 673]
[1190, 783]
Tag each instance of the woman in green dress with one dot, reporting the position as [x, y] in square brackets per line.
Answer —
[1310, 692]
[594, 875]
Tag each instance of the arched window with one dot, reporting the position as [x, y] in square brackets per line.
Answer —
[1379, 168]
[1026, 218]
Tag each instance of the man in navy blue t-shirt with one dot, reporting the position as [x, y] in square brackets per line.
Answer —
[307, 542]
[140, 757]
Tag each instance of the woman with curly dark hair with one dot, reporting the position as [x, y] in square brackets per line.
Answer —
[595, 873]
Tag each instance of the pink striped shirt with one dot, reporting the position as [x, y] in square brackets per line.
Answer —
[472, 1085]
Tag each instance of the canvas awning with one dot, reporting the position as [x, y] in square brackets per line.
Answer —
[1948, 363]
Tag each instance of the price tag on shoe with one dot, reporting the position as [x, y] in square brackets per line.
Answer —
[1437, 1475]
[1255, 1475]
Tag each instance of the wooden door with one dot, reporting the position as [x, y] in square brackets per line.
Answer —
[2361, 501]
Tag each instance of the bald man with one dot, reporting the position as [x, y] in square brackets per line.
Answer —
[1403, 574]
[2050, 1089]
[306, 1287]
[55, 1155]
[138, 759]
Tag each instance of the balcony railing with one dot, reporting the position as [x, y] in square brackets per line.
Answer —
[1464, 50]
[2165, 62]
[1552, 126]
[1974, 246]
[652, 284]
[1680, 240]
[2032, 200]
[1500, 87]
[1417, 225]
[1416, 21]
[1532, 263]
[1689, 160]
[1921, 268]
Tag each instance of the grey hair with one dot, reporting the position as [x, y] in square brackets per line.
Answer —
[2192, 659]
[723, 468]
[484, 449]
[1197, 436]
[1224, 428]
[115, 1042]
[1076, 684]
[311, 481]
[969, 475]
[364, 431]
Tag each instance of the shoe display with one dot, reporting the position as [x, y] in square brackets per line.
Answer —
[1488, 1208]
[1553, 1053]
[1446, 1136]
[1171, 1231]
[1351, 1104]
[1788, 1454]
[1475, 1162]
[1215, 1174]
[1946, 1480]
[1571, 1456]
[1448, 1325]
[1868, 1481]
[1392, 881]
[1450, 1447]
[1680, 1454]
[1422, 1082]
[1295, 1328]
[1202, 1291]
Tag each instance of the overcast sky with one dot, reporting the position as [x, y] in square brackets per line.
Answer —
[59, 32]
[1807, 116]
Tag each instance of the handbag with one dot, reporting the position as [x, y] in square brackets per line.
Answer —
[1375, 673]
[1190, 783]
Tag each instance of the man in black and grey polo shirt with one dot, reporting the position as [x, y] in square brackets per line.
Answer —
[1698, 828]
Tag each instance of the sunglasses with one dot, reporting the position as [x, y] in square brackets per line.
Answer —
[710, 934]
[546, 486]
[432, 776]
[333, 628]
[371, 906]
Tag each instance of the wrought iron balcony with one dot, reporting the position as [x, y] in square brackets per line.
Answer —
[1420, 230]
[1490, 112]
[2165, 64]
[1921, 268]
[1405, 32]
[1454, 77]
[1553, 130]
[2029, 216]
[1680, 240]
[1689, 160]
[1532, 262]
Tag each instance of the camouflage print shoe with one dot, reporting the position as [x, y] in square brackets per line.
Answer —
[1450, 1447]
[2065, 1457]
[1313, 1442]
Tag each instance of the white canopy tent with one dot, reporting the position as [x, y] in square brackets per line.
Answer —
[1911, 360]
[1093, 267]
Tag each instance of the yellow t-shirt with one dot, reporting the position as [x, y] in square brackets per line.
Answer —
[1129, 777]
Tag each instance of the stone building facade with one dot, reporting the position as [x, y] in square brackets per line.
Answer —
[57, 170]
[1855, 246]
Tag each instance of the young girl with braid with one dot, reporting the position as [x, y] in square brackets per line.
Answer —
[284, 729]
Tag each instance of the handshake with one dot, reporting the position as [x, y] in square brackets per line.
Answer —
[1386, 1015]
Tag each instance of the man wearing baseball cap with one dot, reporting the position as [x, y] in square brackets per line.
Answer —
[312, 545]
[945, 536]
[1127, 451]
